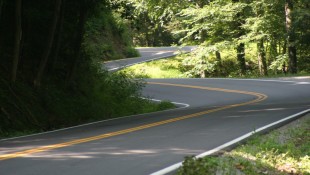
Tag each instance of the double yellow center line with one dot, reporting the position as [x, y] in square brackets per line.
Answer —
[259, 97]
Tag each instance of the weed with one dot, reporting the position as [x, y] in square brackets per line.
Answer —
[164, 68]
[194, 166]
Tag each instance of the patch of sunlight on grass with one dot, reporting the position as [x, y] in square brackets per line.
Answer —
[280, 152]
[164, 68]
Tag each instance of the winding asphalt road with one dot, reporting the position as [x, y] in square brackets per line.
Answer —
[221, 113]
[147, 54]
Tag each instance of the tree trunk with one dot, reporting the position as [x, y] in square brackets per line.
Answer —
[241, 58]
[146, 31]
[79, 40]
[284, 47]
[1, 6]
[262, 58]
[219, 60]
[241, 47]
[273, 51]
[59, 36]
[290, 36]
[48, 47]
[18, 35]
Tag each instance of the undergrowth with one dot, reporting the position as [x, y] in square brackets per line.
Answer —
[202, 64]
[163, 68]
[282, 152]
[96, 96]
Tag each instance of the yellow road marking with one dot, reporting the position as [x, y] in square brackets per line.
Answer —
[260, 97]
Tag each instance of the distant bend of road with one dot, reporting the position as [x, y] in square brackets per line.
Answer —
[147, 54]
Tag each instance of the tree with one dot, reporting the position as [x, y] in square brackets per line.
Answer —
[48, 47]
[239, 21]
[79, 40]
[1, 6]
[262, 58]
[258, 30]
[32, 33]
[302, 31]
[289, 7]
[59, 34]
[218, 24]
[151, 19]
[17, 36]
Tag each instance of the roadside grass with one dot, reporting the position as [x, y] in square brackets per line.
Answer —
[137, 106]
[172, 68]
[179, 67]
[150, 106]
[163, 68]
[285, 151]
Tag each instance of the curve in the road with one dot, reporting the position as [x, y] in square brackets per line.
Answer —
[259, 97]
[147, 55]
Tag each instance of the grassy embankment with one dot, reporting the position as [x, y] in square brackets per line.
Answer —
[172, 68]
[183, 66]
[284, 151]
[163, 68]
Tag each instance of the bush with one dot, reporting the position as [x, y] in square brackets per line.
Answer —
[108, 37]
[194, 166]
[196, 65]
[130, 52]
[277, 65]
[96, 95]
[164, 105]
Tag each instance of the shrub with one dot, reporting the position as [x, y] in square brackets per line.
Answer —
[194, 166]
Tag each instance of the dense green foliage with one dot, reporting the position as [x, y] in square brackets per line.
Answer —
[262, 36]
[149, 20]
[263, 23]
[50, 72]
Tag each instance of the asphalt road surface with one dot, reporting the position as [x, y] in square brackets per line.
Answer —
[219, 111]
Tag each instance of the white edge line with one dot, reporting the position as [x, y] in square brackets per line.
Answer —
[152, 59]
[238, 79]
[101, 121]
[251, 79]
[177, 103]
[227, 144]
